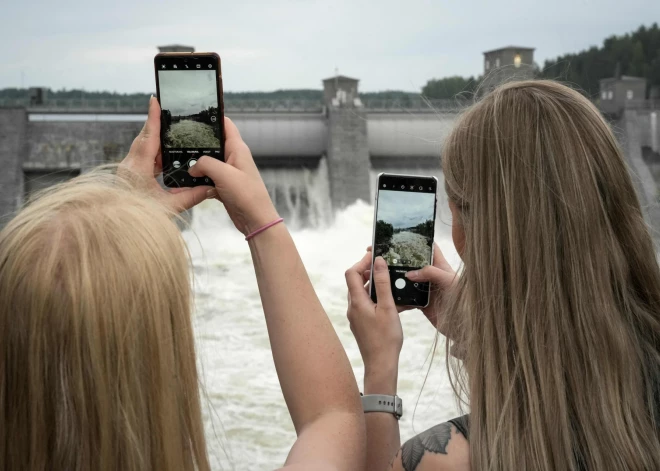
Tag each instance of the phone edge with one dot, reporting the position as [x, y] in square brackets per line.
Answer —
[221, 99]
[372, 291]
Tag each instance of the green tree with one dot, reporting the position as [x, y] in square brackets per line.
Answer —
[449, 87]
[636, 54]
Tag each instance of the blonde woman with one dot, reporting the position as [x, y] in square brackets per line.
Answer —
[97, 358]
[555, 312]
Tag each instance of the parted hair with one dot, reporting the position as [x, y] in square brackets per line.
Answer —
[557, 307]
[97, 359]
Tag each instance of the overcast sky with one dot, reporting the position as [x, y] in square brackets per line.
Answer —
[404, 209]
[272, 44]
[187, 92]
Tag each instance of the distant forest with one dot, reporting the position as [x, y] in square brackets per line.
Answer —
[636, 54]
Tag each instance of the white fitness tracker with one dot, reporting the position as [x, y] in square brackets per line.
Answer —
[383, 403]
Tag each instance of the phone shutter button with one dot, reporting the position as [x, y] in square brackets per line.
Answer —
[400, 283]
[192, 162]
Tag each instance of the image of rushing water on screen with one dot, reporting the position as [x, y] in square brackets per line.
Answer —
[404, 228]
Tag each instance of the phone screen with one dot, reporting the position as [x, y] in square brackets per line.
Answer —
[190, 96]
[403, 232]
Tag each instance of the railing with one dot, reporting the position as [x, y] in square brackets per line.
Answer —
[417, 103]
[650, 104]
[260, 105]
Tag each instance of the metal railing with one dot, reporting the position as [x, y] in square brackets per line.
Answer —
[77, 105]
[417, 103]
[262, 105]
[650, 104]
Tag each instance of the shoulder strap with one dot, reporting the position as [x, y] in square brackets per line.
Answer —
[462, 424]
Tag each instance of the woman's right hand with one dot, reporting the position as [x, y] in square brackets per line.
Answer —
[442, 278]
[238, 183]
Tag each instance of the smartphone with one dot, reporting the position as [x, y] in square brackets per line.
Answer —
[189, 88]
[404, 226]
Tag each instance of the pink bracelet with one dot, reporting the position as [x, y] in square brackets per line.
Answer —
[263, 228]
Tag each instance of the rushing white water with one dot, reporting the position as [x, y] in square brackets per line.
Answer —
[248, 426]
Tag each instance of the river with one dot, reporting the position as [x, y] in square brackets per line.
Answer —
[247, 423]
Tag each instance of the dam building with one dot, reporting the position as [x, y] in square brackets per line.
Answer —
[315, 157]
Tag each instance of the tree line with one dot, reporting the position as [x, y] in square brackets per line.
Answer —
[636, 54]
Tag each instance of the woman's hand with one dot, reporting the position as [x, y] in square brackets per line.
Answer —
[376, 327]
[238, 183]
[442, 278]
[144, 159]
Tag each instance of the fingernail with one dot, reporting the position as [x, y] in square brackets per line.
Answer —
[412, 274]
[151, 98]
[379, 264]
[212, 193]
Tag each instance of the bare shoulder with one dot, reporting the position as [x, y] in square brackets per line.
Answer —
[439, 448]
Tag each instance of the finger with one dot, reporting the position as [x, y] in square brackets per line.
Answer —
[158, 163]
[364, 264]
[439, 259]
[182, 199]
[369, 248]
[152, 125]
[366, 275]
[381, 280]
[354, 280]
[218, 171]
[237, 152]
[146, 145]
[435, 275]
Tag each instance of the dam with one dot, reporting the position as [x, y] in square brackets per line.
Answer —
[316, 157]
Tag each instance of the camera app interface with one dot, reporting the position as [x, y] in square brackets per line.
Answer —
[404, 228]
[191, 119]
[405, 225]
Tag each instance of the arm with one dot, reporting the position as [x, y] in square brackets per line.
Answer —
[378, 331]
[315, 375]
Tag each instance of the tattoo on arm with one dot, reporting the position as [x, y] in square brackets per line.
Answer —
[434, 440]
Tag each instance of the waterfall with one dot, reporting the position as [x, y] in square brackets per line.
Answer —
[301, 195]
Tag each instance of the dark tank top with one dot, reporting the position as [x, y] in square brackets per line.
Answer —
[462, 423]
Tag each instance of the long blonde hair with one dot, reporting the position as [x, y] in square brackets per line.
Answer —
[97, 358]
[558, 303]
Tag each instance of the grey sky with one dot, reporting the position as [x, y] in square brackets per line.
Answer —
[187, 92]
[403, 209]
[271, 44]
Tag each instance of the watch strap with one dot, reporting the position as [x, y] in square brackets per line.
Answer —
[383, 403]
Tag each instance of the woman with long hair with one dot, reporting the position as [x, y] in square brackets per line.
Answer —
[555, 312]
[97, 357]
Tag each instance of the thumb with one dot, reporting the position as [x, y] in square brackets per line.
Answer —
[381, 279]
[152, 125]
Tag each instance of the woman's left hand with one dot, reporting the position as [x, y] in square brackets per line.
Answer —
[145, 160]
[376, 326]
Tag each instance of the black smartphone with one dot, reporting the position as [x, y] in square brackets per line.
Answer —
[404, 226]
[189, 88]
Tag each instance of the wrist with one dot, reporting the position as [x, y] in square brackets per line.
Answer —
[260, 220]
[381, 380]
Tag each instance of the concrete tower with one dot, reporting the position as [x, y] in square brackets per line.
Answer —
[507, 64]
[348, 148]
